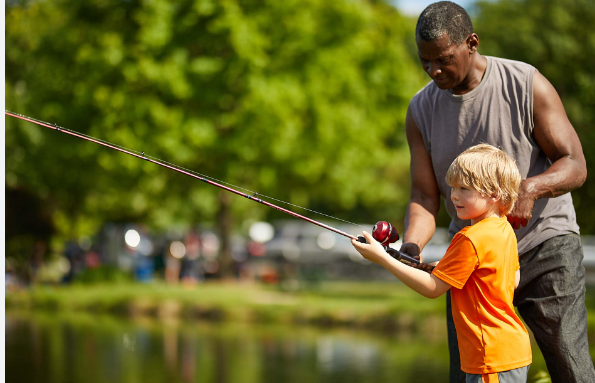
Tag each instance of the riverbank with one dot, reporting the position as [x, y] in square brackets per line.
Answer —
[372, 306]
[376, 306]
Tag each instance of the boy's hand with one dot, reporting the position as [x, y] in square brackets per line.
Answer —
[372, 251]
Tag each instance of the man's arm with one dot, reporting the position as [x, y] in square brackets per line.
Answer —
[558, 139]
[420, 219]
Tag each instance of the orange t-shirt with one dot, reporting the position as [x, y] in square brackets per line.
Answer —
[480, 264]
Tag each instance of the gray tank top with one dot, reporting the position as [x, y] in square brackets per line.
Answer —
[499, 111]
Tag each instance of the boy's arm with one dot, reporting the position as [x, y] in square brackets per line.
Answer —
[423, 283]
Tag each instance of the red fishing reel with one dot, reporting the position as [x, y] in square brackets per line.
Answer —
[384, 233]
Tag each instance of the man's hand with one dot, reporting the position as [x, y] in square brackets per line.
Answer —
[523, 208]
[413, 250]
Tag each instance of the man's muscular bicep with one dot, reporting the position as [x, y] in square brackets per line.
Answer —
[557, 138]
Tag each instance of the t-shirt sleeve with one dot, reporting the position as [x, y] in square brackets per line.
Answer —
[458, 263]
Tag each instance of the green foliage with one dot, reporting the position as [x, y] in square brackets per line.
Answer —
[559, 40]
[102, 274]
[542, 377]
[300, 100]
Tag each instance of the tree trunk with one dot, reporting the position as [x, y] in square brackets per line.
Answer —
[224, 228]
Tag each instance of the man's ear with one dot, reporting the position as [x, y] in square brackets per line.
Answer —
[472, 43]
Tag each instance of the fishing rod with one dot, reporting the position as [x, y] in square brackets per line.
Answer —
[383, 231]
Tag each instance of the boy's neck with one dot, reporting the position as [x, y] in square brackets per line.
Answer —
[484, 216]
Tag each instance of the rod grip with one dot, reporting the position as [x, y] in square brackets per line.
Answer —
[396, 254]
[405, 258]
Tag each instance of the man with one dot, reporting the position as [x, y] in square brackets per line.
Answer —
[476, 99]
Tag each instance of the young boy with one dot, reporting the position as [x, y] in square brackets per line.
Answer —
[481, 263]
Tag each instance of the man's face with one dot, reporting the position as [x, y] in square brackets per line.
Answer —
[446, 63]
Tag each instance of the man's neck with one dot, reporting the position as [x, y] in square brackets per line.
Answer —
[474, 76]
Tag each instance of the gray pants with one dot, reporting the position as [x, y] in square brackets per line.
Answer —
[518, 375]
[551, 301]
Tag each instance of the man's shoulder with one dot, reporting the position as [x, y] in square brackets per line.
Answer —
[511, 66]
[428, 89]
[424, 95]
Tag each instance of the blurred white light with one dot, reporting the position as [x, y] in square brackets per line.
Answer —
[261, 232]
[326, 240]
[145, 247]
[132, 238]
[291, 251]
[177, 249]
[210, 244]
[63, 265]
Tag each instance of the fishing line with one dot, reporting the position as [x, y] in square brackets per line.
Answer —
[255, 193]
[383, 231]
[158, 160]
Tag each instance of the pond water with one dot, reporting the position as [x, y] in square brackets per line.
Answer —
[57, 348]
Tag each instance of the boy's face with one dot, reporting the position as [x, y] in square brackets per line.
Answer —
[470, 204]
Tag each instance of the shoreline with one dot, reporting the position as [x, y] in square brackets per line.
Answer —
[386, 307]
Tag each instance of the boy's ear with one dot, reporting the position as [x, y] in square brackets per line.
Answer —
[495, 197]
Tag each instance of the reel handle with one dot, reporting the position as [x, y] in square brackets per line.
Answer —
[400, 256]
[396, 254]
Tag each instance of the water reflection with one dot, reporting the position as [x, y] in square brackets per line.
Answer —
[86, 348]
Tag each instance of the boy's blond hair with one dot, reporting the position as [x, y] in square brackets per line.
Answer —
[488, 170]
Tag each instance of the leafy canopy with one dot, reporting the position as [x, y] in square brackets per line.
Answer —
[300, 100]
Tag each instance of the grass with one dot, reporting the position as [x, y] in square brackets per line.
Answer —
[384, 305]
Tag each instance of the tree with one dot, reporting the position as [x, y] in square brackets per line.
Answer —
[300, 100]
